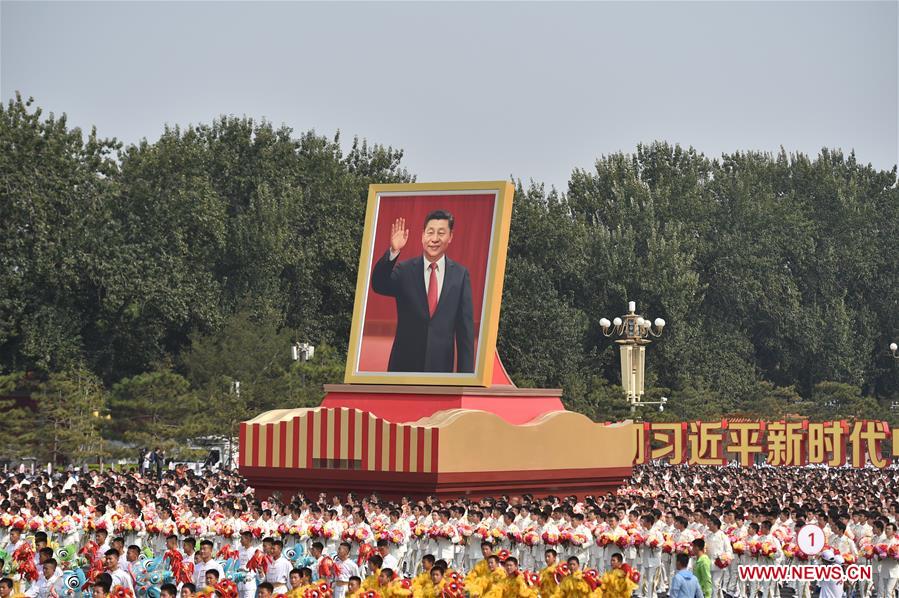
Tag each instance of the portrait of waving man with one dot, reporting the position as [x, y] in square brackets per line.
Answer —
[435, 327]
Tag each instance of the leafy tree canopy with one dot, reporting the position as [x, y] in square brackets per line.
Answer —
[141, 281]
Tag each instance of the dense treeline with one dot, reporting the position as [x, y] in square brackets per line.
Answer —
[139, 281]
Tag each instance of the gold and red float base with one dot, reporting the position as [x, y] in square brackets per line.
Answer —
[442, 441]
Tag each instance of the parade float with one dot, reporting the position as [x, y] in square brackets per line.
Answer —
[459, 431]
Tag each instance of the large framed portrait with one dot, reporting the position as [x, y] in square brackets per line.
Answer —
[430, 284]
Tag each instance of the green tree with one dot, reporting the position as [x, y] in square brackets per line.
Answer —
[642, 215]
[214, 246]
[597, 399]
[542, 336]
[306, 379]
[836, 400]
[19, 434]
[542, 333]
[153, 410]
[257, 355]
[696, 401]
[54, 182]
[244, 349]
[70, 406]
[769, 402]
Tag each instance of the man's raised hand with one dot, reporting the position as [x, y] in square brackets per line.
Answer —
[399, 234]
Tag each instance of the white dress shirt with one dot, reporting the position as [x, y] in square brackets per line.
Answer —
[346, 569]
[652, 557]
[243, 557]
[278, 574]
[200, 570]
[13, 546]
[441, 270]
[889, 568]
[41, 588]
[391, 562]
[830, 589]
[717, 544]
[120, 577]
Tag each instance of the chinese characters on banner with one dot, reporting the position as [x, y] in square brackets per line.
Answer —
[777, 443]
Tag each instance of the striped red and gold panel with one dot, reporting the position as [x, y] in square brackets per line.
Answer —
[337, 439]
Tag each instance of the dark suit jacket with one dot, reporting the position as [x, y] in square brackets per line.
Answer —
[424, 343]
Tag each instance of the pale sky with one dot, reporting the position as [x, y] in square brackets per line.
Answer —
[475, 91]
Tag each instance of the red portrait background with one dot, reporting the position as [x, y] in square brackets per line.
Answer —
[470, 247]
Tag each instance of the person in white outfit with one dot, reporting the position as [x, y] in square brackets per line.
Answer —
[43, 586]
[735, 528]
[120, 577]
[15, 540]
[333, 530]
[717, 545]
[651, 557]
[346, 568]
[679, 535]
[582, 552]
[206, 563]
[445, 547]
[247, 550]
[399, 527]
[889, 567]
[770, 588]
[831, 588]
[388, 561]
[279, 571]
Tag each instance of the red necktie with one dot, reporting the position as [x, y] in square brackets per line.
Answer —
[432, 290]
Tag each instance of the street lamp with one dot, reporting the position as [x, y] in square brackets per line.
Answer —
[894, 349]
[108, 417]
[635, 331]
[302, 351]
[235, 390]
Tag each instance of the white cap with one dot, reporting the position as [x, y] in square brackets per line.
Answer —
[827, 555]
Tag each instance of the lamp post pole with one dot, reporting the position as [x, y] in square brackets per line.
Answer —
[302, 352]
[634, 331]
[894, 350]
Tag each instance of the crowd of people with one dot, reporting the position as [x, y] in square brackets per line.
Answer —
[676, 530]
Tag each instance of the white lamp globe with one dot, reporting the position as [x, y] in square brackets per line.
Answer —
[660, 323]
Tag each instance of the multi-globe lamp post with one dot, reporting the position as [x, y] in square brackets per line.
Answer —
[635, 331]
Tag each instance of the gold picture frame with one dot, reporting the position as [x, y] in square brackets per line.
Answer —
[502, 193]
